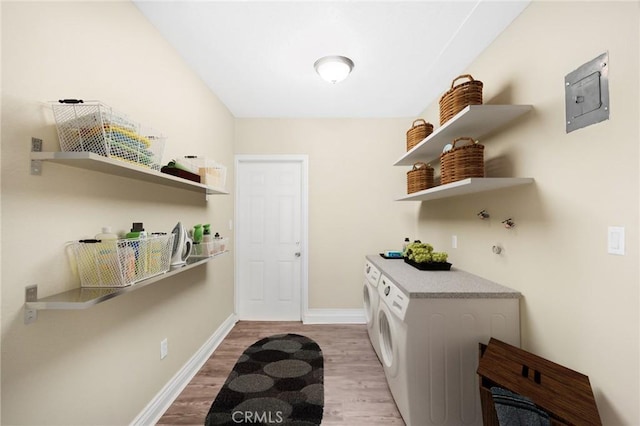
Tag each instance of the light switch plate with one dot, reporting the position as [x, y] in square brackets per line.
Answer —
[587, 94]
[615, 240]
[164, 348]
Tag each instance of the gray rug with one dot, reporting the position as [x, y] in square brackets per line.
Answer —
[277, 381]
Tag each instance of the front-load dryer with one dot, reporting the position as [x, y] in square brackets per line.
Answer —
[371, 302]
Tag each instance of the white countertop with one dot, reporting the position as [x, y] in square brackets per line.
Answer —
[455, 283]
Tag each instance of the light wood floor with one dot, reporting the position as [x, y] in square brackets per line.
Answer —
[356, 391]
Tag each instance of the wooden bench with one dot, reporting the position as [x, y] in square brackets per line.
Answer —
[564, 394]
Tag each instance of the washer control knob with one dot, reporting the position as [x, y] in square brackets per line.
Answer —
[387, 290]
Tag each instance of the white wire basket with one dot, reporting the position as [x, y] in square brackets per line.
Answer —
[211, 248]
[95, 127]
[120, 263]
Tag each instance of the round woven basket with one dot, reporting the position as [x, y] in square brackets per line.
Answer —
[419, 178]
[462, 162]
[419, 130]
[458, 97]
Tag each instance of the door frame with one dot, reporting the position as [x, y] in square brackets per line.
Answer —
[303, 160]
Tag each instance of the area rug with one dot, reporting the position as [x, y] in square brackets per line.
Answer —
[277, 381]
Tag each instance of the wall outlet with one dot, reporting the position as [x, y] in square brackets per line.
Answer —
[164, 348]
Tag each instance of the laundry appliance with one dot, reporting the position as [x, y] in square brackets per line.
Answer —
[371, 299]
[182, 245]
[429, 351]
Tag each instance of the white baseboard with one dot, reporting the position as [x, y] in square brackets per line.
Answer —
[161, 402]
[334, 316]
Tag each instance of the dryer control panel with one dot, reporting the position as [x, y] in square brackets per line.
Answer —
[372, 273]
[393, 297]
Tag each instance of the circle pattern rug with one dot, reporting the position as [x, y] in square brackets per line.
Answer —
[277, 381]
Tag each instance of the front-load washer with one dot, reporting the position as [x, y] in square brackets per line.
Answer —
[393, 343]
[371, 301]
[429, 348]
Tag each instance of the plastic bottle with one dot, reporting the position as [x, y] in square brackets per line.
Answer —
[207, 240]
[106, 234]
[216, 243]
[139, 248]
[404, 245]
[137, 231]
[109, 268]
[206, 235]
[128, 263]
[197, 233]
[157, 246]
[220, 243]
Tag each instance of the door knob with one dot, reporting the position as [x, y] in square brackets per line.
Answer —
[297, 254]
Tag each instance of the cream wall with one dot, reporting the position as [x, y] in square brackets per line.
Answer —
[351, 193]
[580, 305]
[101, 365]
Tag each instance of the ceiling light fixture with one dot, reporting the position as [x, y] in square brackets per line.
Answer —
[333, 68]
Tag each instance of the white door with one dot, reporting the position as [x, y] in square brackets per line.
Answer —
[269, 233]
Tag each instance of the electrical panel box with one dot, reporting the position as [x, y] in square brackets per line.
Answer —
[587, 94]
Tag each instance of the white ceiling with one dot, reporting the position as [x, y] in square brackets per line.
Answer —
[257, 56]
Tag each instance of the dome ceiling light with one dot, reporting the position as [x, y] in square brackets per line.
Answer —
[333, 68]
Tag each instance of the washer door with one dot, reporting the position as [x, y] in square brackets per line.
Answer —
[388, 344]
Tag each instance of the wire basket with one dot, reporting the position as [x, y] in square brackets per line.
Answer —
[459, 97]
[419, 178]
[419, 130]
[120, 263]
[96, 127]
[462, 162]
[210, 248]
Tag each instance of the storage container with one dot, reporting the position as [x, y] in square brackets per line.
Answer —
[419, 130]
[532, 383]
[459, 97]
[96, 127]
[419, 178]
[119, 263]
[462, 162]
[210, 248]
[211, 173]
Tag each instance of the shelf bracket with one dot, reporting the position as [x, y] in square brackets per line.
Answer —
[36, 165]
[30, 295]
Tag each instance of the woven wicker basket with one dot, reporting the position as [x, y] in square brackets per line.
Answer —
[458, 97]
[419, 178]
[419, 130]
[462, 162]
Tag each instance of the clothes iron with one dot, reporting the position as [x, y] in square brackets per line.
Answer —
[182, 245]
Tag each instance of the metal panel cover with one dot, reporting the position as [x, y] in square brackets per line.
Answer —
[587, 94]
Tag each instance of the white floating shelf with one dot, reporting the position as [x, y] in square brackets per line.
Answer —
[98, 163]
[474, 121]
[465, 186]
[85, 297]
